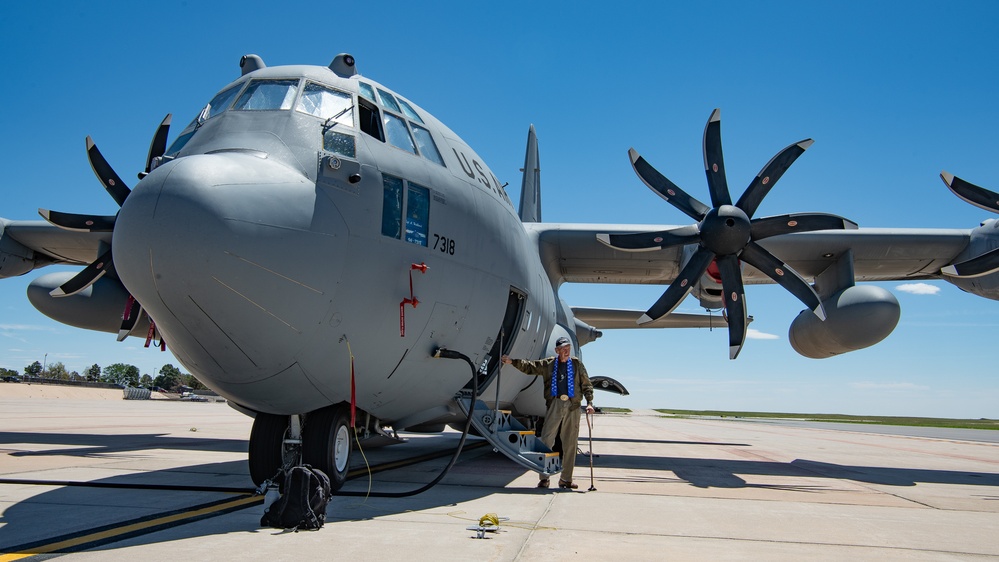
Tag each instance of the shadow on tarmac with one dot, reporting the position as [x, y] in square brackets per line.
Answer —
[68, 511]
[724, 473]
[90, 445]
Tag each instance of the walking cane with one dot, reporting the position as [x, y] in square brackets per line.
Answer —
[589, 425]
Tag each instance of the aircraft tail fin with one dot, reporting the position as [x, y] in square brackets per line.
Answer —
[530, 189]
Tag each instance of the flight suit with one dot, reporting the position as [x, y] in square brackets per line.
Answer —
[562, 416]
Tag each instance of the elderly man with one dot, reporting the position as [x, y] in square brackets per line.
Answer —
[566, 384]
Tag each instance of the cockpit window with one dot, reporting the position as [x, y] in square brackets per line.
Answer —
[367, 91]
[408, 110]
[426, 143]
[397, 133]
[389, 101]
[222, 101]
[268, 94]
[327, 103]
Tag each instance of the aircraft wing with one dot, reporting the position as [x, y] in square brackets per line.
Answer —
[571, 253]
[26, 245]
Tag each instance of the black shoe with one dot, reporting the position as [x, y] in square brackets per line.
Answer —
[567, 485]
[544, 483]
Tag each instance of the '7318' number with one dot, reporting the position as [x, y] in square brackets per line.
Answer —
[444, 244]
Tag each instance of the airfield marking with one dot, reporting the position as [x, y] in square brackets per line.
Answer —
[138, 527]
[111, 533]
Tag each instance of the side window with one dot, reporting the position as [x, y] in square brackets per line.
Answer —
[408, 110]
[268, 94]
[392, 207]
[417, 214]
[388, 100]
[426, 143]
[367, 114]
[366, 91]
[397, 133]
[339, 143]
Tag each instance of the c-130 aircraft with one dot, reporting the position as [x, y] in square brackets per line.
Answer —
[312, 239]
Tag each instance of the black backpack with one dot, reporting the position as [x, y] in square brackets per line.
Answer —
[305, 491]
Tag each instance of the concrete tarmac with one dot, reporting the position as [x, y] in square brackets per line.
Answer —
[666, 489]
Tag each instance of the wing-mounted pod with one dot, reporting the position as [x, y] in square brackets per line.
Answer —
[98, 307]
[856, 316]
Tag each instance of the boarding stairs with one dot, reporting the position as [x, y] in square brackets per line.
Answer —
[509, 436]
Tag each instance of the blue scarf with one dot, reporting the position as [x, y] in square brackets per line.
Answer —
[570, 384]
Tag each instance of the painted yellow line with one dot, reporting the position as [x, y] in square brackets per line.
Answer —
[76, 541]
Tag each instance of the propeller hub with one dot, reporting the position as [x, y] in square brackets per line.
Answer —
[725, 230]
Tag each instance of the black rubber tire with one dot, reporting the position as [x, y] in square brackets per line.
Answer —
[327, 441]
[266, 446]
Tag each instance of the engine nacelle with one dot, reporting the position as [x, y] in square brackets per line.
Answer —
[98, 307]
[856, 317]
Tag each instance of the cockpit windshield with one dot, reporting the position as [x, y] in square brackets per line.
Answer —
[222, 101]
[262, 95]
[327, 103]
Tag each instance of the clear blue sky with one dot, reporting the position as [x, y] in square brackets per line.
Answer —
[892, 93]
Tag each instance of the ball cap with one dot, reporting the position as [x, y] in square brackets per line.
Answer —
[561, 341]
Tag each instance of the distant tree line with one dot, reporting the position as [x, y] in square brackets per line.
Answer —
[168, 378]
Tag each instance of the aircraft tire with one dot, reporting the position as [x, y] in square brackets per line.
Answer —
[266, 446]
[326, 442]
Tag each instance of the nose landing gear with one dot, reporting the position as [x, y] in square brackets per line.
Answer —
[324, 442]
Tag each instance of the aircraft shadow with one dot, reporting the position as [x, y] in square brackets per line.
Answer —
[724, 473]
[68, 511]
[74, 511]
[87, 445]
[583, 439]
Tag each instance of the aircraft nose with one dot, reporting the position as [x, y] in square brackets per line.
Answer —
[227, 252]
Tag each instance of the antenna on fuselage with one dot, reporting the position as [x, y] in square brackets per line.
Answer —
[249, 63]
[530, 188]
[343, 65]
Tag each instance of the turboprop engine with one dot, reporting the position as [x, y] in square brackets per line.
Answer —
[856, 317]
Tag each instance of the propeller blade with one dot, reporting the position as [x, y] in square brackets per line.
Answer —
[85, 278]
[680, 286]
[130, 316]
[714, 162]
[82, 223]
[112, 183]
[667, 189]
[975, 267]
[647, 241]
[735, 303]
[158, 146]
[977, 196]
[756, 256]
[768, 176]
[798, 222]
